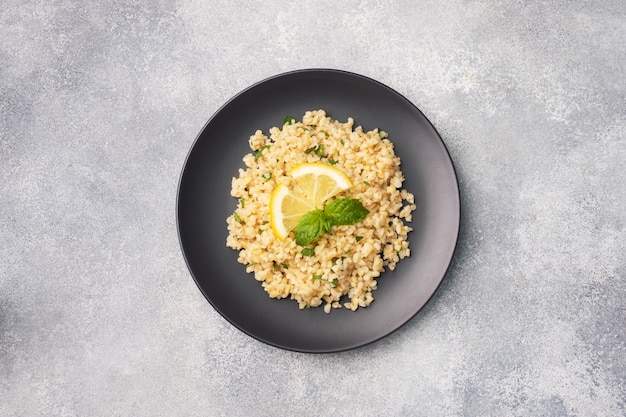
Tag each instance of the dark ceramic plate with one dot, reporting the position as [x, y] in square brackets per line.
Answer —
[204, 203]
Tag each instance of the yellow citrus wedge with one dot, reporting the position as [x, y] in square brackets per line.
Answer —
[286, 209]
[316, 183]
[319, 182]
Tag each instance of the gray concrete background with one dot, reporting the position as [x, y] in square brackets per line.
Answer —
[100, 102]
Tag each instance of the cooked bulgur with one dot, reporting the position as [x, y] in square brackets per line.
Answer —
[347, 261]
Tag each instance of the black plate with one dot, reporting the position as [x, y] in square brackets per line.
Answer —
[204, 203]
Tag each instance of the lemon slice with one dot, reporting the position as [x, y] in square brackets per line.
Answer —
[286, 209]
[319, 181]
[316, 183]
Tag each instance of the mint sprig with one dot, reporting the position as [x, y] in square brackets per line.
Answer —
[342, 211]
[311, 226]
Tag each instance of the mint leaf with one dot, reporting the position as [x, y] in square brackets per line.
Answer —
[342, 211]
[311, 226]
[345, 211]
[308, 252]
[288, 120]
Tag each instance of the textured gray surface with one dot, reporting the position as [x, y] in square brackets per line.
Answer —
[100, 102]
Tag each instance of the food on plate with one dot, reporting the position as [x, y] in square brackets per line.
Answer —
[321, 211]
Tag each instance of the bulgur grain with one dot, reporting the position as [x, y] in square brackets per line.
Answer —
[340, 265]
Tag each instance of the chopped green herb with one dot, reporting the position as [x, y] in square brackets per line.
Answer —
[237, 218]
[308, 305]
[259, 153]
[366, 183]
[267, 176]
[335, 261]
[332, 162]
[358, 238]
[275, 267]
[343, 142]
[308, 252]
[251, 264]
[288, 120]
[285, 266]
[320, 150]
[317, 277]
[242, 201]
[335, 283]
